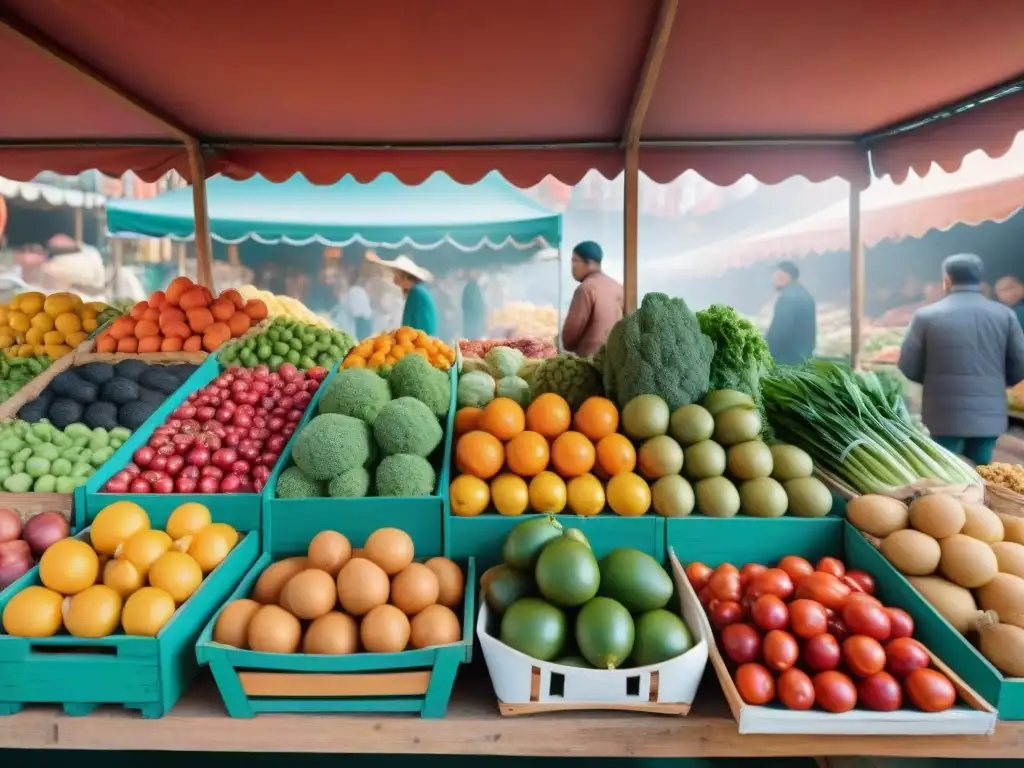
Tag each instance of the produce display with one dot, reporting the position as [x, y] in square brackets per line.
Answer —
[372, 436]
[810, 636]
[1008, 476]
[16, 372]
[283, 306]
[559, 603]
[526, 320]
[105, 395]
[285, 340]
[336, 600]
[41, 458]
[533, 348]
[187, 317]
[125, 576]
[35, 324]
[225, 438]
[381, 353]
[21, 543]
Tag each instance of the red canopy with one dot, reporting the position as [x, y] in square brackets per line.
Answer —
[339, 86]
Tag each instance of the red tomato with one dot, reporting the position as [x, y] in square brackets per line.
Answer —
[795, 689]
[725, 612]
[741, 643]
[864, 579]
[796, 567]
[808, 618]
[856, 595]
[905, 655]
[863, 617]
[853, 584]
[698, 574]
[864, 656]
[705, 597]
[769, 612]
[831, 565]
[825, 589]
[837, 628]
[822, 653]
[834, 692]
[749, 571]
[779, 650]
[725, 585]
[755, 684]
[881, 692]
[902, 623]
[929, 690]
[727, 568]
[773, 581]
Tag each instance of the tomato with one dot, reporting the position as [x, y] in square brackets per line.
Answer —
[821, 653]
[902, 623]
[834, 692]
[769, 612]
[796, 567]
[741, 643]
[837, 628]
[929, 690]
[831, 565]
[705, 597]
[863, 579]
[795, 689]
[825, 589]
[864, 656]
[698, 574]
[725, 612]
[725, 585]
[853, 584]
[749, 571]
[905, 655]
[881, 692]
[857, 595]
[755, 684]
[808, 618]
[863, 617]
[779, 650]
[773, 581]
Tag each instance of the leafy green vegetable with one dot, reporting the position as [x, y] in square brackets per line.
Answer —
[741, 356]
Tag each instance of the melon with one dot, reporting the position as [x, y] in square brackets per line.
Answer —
[967, 562]
[937, 515]
[911, 552]
[877, 515]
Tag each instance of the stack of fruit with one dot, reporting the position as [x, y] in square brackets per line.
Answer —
[803, 634]
[380, 353]
[185, 318]
[16, 372]
[91, 587]
[621, 620]
[336, 600]
[286, 340]
[34, 324]
[283, 306]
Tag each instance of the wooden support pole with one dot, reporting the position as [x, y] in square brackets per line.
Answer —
[182, 249]
[234, 259]
[631, 228]
[856, 278]
[204, 247]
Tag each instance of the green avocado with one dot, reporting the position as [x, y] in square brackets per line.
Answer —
[604, 633]
[524, 542]
[577, 534]
[567, 572]
[534, 627]
[503, 586]
[635, 579]
[660, 636]
[573, 661]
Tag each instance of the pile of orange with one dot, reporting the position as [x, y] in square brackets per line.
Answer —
[186, 317]
[545, 459]
[379, 353]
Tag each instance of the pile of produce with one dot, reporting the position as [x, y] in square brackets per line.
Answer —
[856, 426]
[285, 340]
[501, 372]
[185, 318]
[126, 575]
[1008, 476]
[526, 320]
[16, 372]
[557, 602]
[21, 543]
[106, 396]
[225, 438]
[40, 458]
[336, 600]
[472, 349]
[814, 635]
[571, 377]
[742, 357]
[381, 353]
[34, 324]
[283, 306]
[960, 558]
[373, 436]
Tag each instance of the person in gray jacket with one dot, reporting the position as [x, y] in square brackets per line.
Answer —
[966, 350]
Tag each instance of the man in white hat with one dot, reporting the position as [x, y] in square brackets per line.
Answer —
[420, 312]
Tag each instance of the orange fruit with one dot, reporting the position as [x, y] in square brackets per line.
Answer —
[479, 454]
[572, 454]
[509, 494]
[526, 454]
[467, 419]
[549, 415]
[615, 455]
[596, 418]
[547, 493]
[503, 417]
[628, 495]
[468, 496]
[586, 495]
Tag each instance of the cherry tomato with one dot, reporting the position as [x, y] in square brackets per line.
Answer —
[853, 584]
[863, 617]
[822, 653]
[881, 692]
[808, 618]
[905, 655]
[755, 684]
[725, 612]
[769, 612]
[837, 628]
[727, 568]
[864, 579]
[725, 585]
[698, 574]
[929, 690]
[741, 643]
[779, 650]
[902, 623]
[796, 567]
[705, 597]
[825, 589]
[795, 689]
[749, 571]
[773, 581]
[834, 692]
[864, 656]
[831, 565]
[855, 595]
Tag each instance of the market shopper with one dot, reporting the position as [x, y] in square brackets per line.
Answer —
[419, 312]
[596, 305]
[793, 332]
[1010, 291]
[965, 350]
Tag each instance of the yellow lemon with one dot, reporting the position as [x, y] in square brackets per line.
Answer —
[468, 496]
[187, 519]
[115, 524]
[177, 574]
[31, 302]
[146, 612]
[35, 337]
[68, 566]
[142, 549]
[93, 612]
[547, 493]
[629, 495]
[74, 339]
[122, 577]
[67, 323]
[212, 544]
[19, 321]
[57, 304]
[510, 494]
[42, 322]
[53, 338]
[33, 612]
[586, 495]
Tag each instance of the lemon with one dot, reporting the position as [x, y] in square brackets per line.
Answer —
[68, 566]
[188, 519]
[177, 574]
[19, 321]
[122, 577]
[42, 322]
[212, 544]
[31, 302]
[93, 612]
[146, 612]
[586, 495]
[510, 494]
[115, 524]
[547, 493]
[143, 548]
[629, 495]
[468, 496]
[33, 612]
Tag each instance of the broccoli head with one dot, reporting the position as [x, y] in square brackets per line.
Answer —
[741, 356]
[413, 376]
[405, 475]
[406, 425]
[331, 444]
[355, 392]
[658, 350]
[354, 484]
[293, 484]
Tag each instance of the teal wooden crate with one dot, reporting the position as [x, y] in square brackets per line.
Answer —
[144, 673]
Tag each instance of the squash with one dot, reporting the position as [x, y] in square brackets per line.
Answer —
[911, 552]
[1004, 595]
[982, 524]
[1010, 557]
[877, 515]
[1002, 644]
[967, 562]
[1013, 528]
[955, 604]
[937, 515]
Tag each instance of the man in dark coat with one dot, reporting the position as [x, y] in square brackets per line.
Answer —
[794, 329]
[966, 350]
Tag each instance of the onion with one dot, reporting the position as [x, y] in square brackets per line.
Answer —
[10, 525]
[15, 561]
[43, 530]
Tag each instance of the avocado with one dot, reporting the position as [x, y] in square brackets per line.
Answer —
[503, 585]
[534, 627]
[120, 390]
[660, 636]
[578, 535]
[130, 368]
[151, 396]
[65, 411]
[524, 543]
[96, 373]
[36, 410]
[69, 384]
[182, 371]
[635, 579]
[101, 415]
[134, 415]
[605, 633]
[567, 572]
[573, 661]
[159, 379]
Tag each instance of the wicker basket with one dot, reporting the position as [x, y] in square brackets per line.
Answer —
[1001, 499]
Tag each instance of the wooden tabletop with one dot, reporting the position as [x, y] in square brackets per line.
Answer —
[472, 726]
